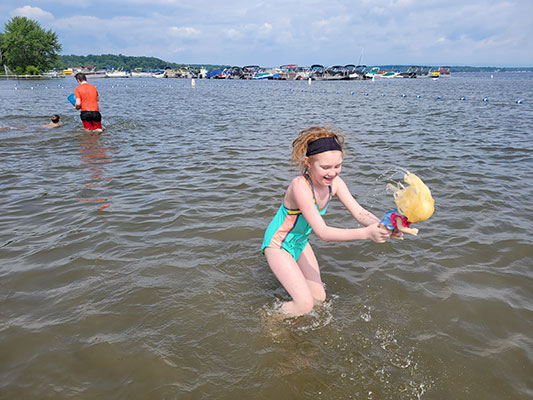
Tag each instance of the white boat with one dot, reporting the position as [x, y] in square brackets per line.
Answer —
[291, 72]
[376, 73]
[266, 74]
[288, 72]
[117, 74]
[95, 74]
[141, 74]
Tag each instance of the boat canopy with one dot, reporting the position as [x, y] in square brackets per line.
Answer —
[213, 73]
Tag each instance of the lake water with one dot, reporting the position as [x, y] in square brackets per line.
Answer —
[130, 265]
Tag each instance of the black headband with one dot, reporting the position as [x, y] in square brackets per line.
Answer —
[323, 144]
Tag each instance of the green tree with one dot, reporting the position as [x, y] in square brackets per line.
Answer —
[25, 44]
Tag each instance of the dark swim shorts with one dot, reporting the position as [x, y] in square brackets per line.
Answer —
[91, 120]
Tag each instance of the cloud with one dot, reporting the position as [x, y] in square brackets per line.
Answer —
[232, 33]
[185, 32]
[249, 32]
[32, 13]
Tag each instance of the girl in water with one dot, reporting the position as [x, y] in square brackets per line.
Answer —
[319, 154]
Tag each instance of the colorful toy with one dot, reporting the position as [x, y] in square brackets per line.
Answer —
[414, 204]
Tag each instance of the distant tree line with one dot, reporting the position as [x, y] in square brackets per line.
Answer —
[120, 61]
[128, 63]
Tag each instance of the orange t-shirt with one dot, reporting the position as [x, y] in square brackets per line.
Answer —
[88, 95]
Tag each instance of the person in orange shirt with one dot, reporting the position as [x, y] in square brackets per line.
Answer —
[87, 100]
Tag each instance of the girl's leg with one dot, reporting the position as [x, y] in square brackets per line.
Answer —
[309, 266]
[293, 280]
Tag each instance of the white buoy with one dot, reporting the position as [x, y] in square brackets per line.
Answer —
[492, 77]
[193, 83]
[309, 81]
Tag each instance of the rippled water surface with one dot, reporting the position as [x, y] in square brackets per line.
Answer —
[130, 264]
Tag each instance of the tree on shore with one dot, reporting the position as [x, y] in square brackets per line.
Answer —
[26, 48]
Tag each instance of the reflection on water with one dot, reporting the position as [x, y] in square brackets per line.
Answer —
[94, 157]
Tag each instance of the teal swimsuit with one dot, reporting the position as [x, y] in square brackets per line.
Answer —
[289, 230]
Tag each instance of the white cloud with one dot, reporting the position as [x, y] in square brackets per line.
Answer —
[232, 33]
[32, 13]
[265, 29]
[185, 32]
[333, 23]
[249, 32]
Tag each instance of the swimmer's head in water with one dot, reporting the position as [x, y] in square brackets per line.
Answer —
[413, 201]
[55, 118]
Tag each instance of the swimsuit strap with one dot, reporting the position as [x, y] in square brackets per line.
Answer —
[306, 176]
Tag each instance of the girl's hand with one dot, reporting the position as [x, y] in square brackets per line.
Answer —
[378, 233]
[396, 234]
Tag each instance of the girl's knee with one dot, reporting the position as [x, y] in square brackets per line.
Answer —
[304, 306]
[318, 292]
[320, 296]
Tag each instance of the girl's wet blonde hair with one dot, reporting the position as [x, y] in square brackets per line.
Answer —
[413, 201]
[300, 144]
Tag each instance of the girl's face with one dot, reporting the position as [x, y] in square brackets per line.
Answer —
[324, 167]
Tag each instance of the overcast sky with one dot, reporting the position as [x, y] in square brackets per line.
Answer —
[275, 32]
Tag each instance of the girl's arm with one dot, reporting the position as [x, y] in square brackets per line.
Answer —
[300, 194]
[361, 215]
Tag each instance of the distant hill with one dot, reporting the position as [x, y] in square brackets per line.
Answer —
[128, 63]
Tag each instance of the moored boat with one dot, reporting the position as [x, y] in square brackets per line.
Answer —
[95, 74]
[248, 71]
[317, 72]
[434, 75]
[354, 72]
[141, 74]
[445, 71]
[412, 72]
[266, 74]
[215, 74]
[288, 72]
[117, 74]
[375, 73]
